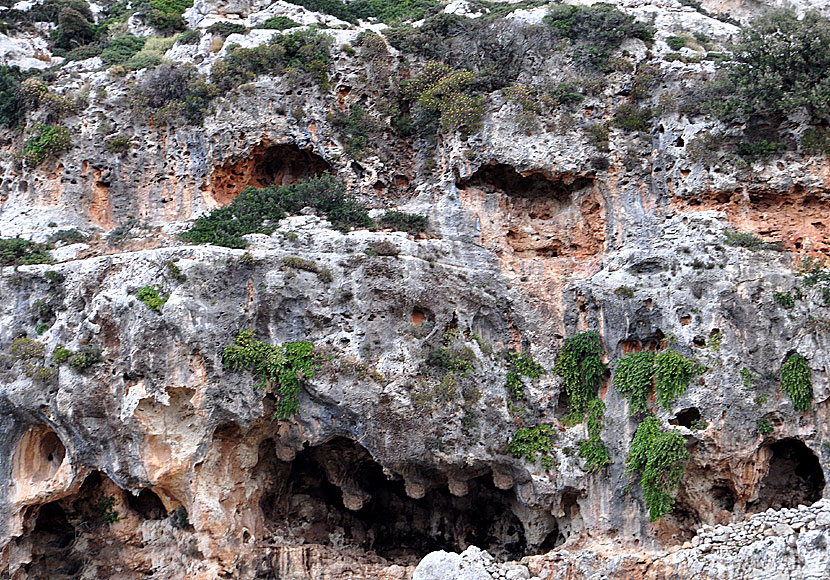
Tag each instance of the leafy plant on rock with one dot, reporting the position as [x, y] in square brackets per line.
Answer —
[580, 365]
[634, 378]
[50, 141]
[19, 252]
[151, 297]
[530, 443]
[521, 364]
[672, 373]
[593, 449]
[796, 381]
[278, 369]
[656, 458]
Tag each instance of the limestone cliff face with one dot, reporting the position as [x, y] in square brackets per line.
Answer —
[159, 461]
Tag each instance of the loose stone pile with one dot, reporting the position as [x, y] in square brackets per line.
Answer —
[472, 564]
[786, 523]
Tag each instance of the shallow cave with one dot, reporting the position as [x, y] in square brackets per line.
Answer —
[335, 494]
[265, 165]
[686, 417]
[539, 215]
[794, 477]
[67, 533]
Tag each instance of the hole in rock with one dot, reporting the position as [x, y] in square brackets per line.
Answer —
[52, 539]
[794, 477]
[38, 455]
[686, 417]
[266, 164]
[72, 538]
[418, 317]
[544, 216]
[335, 494]
[147, 505]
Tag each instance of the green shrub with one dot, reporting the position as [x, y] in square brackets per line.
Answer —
[189, 36]
[765, 427]
[383, 10]
[816, 141]
[580, 364]
[164, 15]
[121, 233]
[225, 29]
[796, 381]
[18, 252]
[657, 459]
[30, 353]
[451, 357]
[175, 95]
[530, 442]
[632, 118]
[151, 297]
[279, 23]
[61, 354]
[597, 135]
[593, 450]
[676, 42]
[304, 50]
[106, 510]
[780, 65]
[404, 222]
[250, 210]
[672, 373]
[118, 143]
[356, 129]
[634, 377]
[11, 108]
[597, 30]
[86, 356]
[76, 27]
[743, 240]
[278, 369]
[759, 149]
[50, 141]
[784, 299]
[72, 236]
[446, 97]
[121, 48]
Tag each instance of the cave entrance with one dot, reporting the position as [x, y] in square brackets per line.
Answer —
[64, 534]
[794, 477]
[335, 494]
[535, 214]
[265, 165]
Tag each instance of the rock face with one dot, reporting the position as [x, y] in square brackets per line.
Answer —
[130, 448]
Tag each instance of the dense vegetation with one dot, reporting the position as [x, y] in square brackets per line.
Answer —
[656, 459]
[580, 365]
[18, 252]
[781, 64]
[796, 381]
[278, 369]
[257, 210]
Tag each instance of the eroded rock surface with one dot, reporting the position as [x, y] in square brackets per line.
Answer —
[159, 461]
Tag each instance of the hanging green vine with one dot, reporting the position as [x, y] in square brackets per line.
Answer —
[530, 441]
[593, 449]
[633, 379]
[657, 458]
[580, 364]
[796, 381]
[672, 373]
[279, 369]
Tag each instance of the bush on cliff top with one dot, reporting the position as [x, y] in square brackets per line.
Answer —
[780, 64]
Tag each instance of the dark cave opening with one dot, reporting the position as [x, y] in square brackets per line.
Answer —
[52, 539]
[147, 505]
[794, 477]
[686, 418]
[335, 494]
[265, 165]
